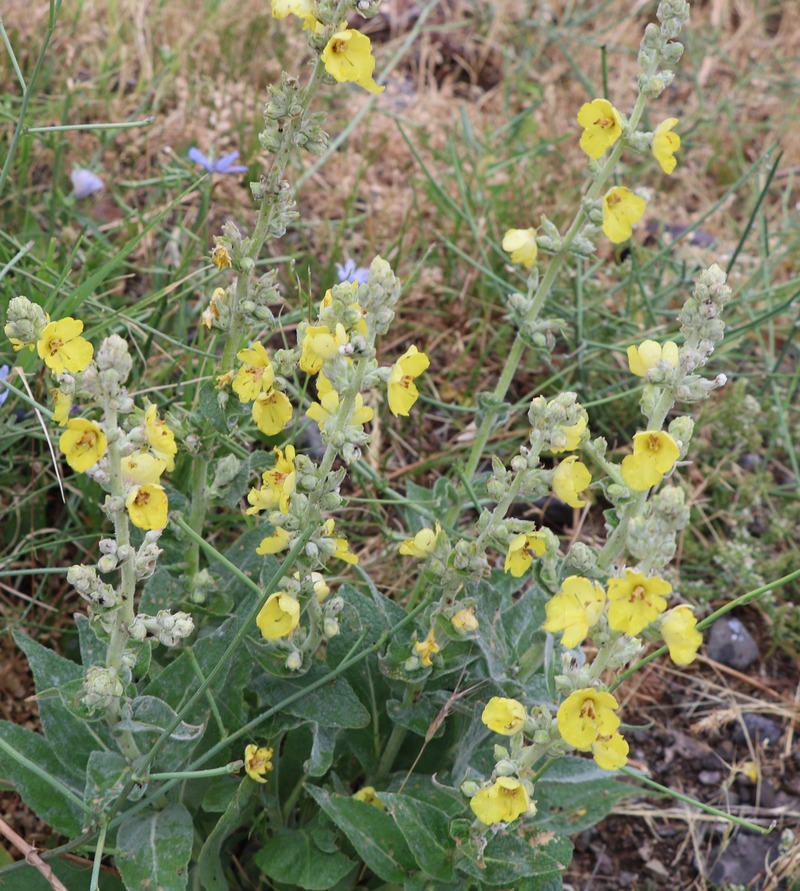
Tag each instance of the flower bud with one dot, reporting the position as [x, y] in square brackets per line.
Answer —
[294, 661]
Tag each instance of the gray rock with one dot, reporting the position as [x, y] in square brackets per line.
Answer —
[730, 643]
[743, 859]
[758, 729]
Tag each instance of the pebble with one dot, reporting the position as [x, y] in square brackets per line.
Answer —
[759, 729]
[743, 859]
[730, 643]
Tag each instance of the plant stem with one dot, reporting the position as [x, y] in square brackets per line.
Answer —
[94, 881]
[694, 802]
[397, 735]
[197, 515]
[543, 290]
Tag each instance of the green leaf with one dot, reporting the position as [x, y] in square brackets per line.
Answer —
[333, 705]
[322, 748]
[373, 834]
[524, 858]
[575, 794]
[426, 831]
[149, 717]
[154, 848]
[161, 591]
[106, 775]
[294, 857]
[93, 650]
[40, 796]
[178, 681]
[72, 738]
[209, 863]
[72, 875]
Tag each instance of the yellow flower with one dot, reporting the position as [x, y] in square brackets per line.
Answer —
[649, 353]
[425, 649]
[680, 635]
[278, 484]
[256, 374]
[622, 209]
[62, 406]
[521, 552]
[160, 438]
[403, 392]
[505, 716]
[610, 752]
[319, 345]
[570, 435]
[502, 802]
[665, 144]
[602, 127]
[635, 601]
[257, 762]
[62, 348]
[83, 444]
[654, 455]
[575, 609]
[148, 506]
[275, 543]
[348, 57]
[328, 405]
[272, 411]
[221, 258]
[342, 547]
[570, 477]
[141, 468]
[303, 9]
[587, 721]
[279, 616]
[521, 244]
[465, 621]
[422, 543]
[368, 795]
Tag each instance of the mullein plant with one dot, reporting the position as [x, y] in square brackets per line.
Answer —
[364, 658]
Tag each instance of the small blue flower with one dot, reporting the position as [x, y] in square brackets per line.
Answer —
[220, 165]
[85, 183]
[349, 272]
[4, 391]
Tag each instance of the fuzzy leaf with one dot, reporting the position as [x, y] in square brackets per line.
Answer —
[209, 863]
[41, 797]
[426, 831]
[295, 858]
[527, 858]
[575, 794]
[106, 775]
[333, 705]
[154, 848]
[149, 717]
[72, 739]
[373, 834]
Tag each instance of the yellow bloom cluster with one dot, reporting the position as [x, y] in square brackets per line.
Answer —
[648, 355]
[575, 609]
[348, 58]
[654, 455]
[522, 550]
[403, 392]
[422, 543]
[587, 721]
[271, 409]
[62, 348]
[502, 802]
